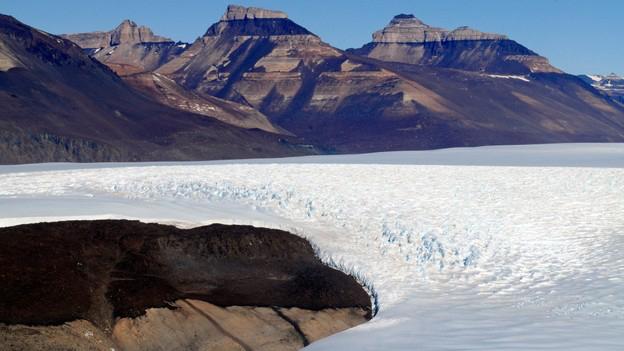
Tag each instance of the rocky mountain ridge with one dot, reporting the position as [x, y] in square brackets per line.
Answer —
[348, 102]
[170, 93]
[127, 32]
[129, 48]
[61, 105]
[406, 39]
[258, 69]
[134, 53]
[611, 85]
[406, 28]
[235, 12]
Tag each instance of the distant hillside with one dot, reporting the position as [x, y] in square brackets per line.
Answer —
[60, 105]
[352, 103]
[258, 84]
[611, 85]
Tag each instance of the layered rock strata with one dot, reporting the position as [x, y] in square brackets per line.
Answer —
[409, 29]
[134, 52]
[355, 102]
[407, 39]
[129, 48]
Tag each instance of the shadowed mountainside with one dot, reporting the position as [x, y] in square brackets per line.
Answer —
[352, 103]
[415, 87]
[61, 105]
[134, 53]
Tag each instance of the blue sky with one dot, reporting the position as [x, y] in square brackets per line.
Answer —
[579, 36]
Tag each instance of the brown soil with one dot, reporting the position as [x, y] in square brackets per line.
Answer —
[193, 325]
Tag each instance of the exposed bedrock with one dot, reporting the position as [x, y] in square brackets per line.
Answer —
[407, 39]
[235, 12]
[129, 48]
[128, 285]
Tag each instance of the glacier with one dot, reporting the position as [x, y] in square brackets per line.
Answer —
[489, 248]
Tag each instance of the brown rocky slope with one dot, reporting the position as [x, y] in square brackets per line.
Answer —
[170, 93]
[134, 286]
[470, 89]
[58, 104]
[129, 48]
[134, 53]
[349, 102]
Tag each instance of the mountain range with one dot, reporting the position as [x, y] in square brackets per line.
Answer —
[611, 85]
[257, 84]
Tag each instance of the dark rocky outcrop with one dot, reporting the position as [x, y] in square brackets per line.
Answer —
[100, 270]
[20, 147]
[109, 273]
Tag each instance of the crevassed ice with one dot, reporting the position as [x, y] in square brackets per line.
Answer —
[460, 257]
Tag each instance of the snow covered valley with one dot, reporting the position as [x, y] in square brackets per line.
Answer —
[495, 248]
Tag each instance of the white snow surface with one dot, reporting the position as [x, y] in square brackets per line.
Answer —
[522, 78]
[595, 78]
[461, 257]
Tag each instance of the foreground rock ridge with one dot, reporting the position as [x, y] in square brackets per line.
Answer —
[137, 286]
[413, 87]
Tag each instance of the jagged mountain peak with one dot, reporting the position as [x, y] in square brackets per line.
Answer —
[236, 12]
[613, 76]
[407, 39]
[406, 28]
[58, 104]
[385, 96]
[127, 22]
[404, 16]
[129, 48]
[407, 19]
[129, 32]
[600, 77]
[253, 21]
[611, 85]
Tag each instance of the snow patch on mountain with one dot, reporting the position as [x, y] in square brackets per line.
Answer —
[522, 78]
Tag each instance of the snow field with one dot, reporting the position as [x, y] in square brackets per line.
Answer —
[460, 257]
